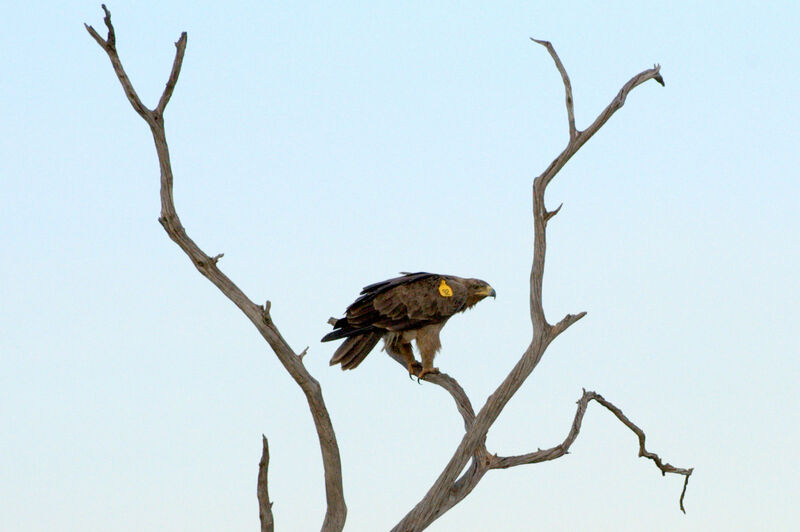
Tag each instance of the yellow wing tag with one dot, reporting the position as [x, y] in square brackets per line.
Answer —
[444, 290]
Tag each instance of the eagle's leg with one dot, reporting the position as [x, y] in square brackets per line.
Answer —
[427, 367]
[413, 366]
[427, 350]
[407, 353]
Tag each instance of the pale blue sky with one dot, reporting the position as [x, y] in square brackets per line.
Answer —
[322, 147]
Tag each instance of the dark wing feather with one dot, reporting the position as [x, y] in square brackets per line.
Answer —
[342, 329]
[407, 302]
[363, 313]
[418, 303]
[360, 315]
[377, 288]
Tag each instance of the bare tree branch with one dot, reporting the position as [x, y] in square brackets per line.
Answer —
[456, 480]
[264, 504]
[452, 386]
[173, 79]
[567, 87]
[449, 489]
[260, 316]
[562, 325]
[664, 467]
[110, 46]
[561, 449]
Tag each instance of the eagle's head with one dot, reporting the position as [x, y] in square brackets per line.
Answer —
[477, 290]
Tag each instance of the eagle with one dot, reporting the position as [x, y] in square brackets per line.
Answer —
[414, 306]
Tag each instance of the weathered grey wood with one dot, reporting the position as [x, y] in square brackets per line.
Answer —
[449, 488]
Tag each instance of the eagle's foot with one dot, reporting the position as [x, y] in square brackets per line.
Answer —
[426, 371]
[414, 368]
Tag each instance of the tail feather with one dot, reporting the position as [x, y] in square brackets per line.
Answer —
[354, 350]
[343, 330]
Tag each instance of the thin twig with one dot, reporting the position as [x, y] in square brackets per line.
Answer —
[561, 449]
[303, 353]
[109, 45]
[550, 214]
[567, 86]
[664, 467]
[173, 75]
[562, 325]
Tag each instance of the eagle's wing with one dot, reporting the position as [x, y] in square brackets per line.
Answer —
[378, 288]
[408, 302]
[411, 304]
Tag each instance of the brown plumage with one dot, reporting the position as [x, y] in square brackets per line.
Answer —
[414, 306]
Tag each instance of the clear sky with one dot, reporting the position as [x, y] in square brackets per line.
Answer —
[323, 147]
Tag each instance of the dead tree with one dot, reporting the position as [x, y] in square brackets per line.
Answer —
[452, 485]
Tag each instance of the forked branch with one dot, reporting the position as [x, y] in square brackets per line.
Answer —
[207, 265]
[543, 455]
[450, 488]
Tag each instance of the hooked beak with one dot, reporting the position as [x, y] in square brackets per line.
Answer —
[487, 291]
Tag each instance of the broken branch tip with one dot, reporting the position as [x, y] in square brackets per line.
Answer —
[303, 354]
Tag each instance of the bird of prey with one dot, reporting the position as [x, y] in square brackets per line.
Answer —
[414, 306]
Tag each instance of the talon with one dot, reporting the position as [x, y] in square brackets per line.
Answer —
[426, 371]
[413, 369]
